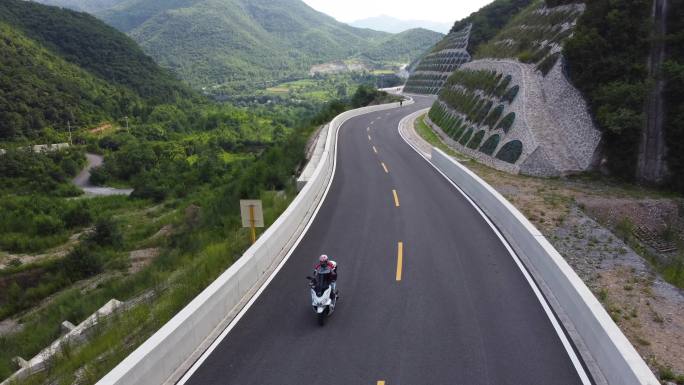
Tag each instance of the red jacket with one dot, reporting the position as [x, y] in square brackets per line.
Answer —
[330, 265]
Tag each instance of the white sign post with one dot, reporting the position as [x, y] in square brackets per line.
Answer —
[252, 215]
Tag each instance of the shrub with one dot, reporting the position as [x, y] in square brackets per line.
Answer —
[494, 116]
[510, 95]
[459, 131]
[99, 176]
[476, 140]
[526, 57]
[547, 64]
[107, 233]
[507, 122]
[541, 54]
[484, 111]
[501, 88]
[510, 152]
[490, 144]
[47, 225]
[466, 137]
[81, 263]
[78, 215]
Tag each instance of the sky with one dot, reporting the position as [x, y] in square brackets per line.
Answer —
[431, 10]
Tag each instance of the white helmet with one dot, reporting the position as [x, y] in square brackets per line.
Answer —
[323, 259]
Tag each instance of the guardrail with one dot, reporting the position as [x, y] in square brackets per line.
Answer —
[615, 357]
[158, 359]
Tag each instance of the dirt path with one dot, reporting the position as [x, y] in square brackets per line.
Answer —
[82, 180]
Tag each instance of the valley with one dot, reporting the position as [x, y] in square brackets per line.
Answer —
[130, 130]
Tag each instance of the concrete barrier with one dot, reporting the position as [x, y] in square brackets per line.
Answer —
[615, 357]
[314, 160]
[158, 359]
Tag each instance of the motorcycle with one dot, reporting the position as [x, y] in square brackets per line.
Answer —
[323, 300]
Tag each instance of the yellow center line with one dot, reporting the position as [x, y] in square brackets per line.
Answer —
[375, 150]
[384, 167]
[400, 259]
[396, 198]
[380, 382]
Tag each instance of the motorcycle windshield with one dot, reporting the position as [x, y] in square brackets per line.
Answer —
[322, 283]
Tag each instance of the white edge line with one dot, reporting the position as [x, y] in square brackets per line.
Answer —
[207, 353]
[549, 313]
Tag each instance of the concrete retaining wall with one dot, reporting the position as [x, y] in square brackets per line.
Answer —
[616, 358]
[159, 358]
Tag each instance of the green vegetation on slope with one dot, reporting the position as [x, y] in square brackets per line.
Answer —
[402, 47]
[105, 52]
[673, 69]
[607, 59]
[532, 36]
[185, 184]
[232, 43]
[489, 20]
[84, 5]
[61, 66]
[322, 88]
[39, 89]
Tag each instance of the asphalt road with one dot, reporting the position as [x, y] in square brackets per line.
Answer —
[461, 313]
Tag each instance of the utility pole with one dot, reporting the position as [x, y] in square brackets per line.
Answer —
[71, 143]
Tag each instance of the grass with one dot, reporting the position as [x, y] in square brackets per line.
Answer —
[431, 137]
[278, 90]
[383, 72]
[181, 271]
[315, 89]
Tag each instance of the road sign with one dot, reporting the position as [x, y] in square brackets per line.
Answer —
[252, 215]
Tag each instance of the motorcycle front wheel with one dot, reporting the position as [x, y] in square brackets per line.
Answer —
[321, 318]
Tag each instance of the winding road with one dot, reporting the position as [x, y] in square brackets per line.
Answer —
[82, 180]
[429, 293]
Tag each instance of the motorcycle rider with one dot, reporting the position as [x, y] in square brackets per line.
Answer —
[327, 266]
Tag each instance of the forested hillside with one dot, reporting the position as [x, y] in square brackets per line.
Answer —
[106, 53]
[39, 89]
[84, 5]
[674, 93]
[402, 47]
[255, 42]
[607, 60]
[53, 75]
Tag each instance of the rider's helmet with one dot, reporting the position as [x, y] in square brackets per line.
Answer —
[323, 259]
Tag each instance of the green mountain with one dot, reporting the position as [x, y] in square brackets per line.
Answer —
[51, 74]
[89, 6]
[403, 47]
[218, 42]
